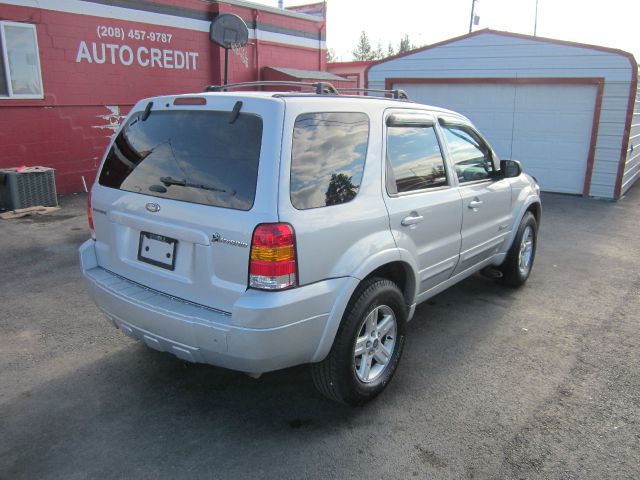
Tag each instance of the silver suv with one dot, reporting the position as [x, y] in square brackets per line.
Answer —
[260, 230]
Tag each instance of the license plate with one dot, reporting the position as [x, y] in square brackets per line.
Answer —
[157, 250]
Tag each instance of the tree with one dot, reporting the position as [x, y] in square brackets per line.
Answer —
[390, 51]
[378, 53]
[341, 189]
[363, 50]
[405, 44]
[331, 55]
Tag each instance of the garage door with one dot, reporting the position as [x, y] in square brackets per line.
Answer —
[545, 126]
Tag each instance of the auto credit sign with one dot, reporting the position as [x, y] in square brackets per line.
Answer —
[156, 52]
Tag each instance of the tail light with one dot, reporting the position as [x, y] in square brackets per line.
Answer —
[90, 216]
[273, 263]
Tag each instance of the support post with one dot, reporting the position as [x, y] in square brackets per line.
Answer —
[473, 6]
[226, 65]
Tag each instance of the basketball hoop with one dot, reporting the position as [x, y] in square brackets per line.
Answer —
[231, 33]
[240, 51]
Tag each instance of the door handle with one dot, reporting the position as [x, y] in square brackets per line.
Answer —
[473, 204]
[412, 219]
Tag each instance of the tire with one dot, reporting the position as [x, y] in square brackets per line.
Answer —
[376, 313]
[517, 266]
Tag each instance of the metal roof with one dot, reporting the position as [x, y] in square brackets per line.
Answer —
[267, 8]
[309, 74]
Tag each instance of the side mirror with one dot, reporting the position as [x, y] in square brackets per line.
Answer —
[510, 168]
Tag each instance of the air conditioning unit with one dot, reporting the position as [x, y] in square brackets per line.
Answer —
[27, 187]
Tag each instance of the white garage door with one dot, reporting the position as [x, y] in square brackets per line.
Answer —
[545, 126]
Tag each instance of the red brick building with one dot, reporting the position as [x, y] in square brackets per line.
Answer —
[71, 69]
[354, 71]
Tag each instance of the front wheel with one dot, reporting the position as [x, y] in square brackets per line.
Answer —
[367, 347]
[517, 266]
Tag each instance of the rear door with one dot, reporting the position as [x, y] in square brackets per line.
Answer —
[181, 190]
[425, 208]
[486, 201]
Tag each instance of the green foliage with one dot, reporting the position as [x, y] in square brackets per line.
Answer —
[405, 44]
[363, 50]
[390, 50]
[378, 53]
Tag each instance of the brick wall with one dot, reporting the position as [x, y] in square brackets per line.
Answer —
[87, 93]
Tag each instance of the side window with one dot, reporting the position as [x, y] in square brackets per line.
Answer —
[327, 158]
[414, 159]
[19, 61]
[471, 156]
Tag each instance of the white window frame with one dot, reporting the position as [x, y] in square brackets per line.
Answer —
[5, 59]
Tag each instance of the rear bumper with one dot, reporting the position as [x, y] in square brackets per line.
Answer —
[292, 325]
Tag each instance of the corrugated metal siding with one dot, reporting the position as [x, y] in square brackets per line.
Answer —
[632, 167]
[490, 55]
[544, 113]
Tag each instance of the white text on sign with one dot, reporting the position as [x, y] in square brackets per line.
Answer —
[114, 54]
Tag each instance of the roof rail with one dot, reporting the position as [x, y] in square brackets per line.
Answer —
[321, 88]
[396, 94]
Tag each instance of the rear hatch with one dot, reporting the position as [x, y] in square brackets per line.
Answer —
[182, 187]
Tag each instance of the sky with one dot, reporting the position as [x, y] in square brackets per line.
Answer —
[610, 23]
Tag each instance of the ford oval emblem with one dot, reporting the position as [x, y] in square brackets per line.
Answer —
[153, 207]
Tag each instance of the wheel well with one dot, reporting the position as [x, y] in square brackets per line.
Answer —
[401, 274]
[535, 209]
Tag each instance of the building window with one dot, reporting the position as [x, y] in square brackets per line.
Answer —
[20, 75]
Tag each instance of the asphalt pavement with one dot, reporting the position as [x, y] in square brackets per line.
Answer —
[540, 382]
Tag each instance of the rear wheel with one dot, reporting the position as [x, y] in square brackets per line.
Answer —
[517, 266]
[367, 347]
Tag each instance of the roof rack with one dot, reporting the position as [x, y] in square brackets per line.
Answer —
[396, 94]
[321, 88]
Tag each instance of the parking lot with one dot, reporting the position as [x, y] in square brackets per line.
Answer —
[541, 382]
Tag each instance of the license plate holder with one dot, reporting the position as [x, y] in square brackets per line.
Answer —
[157, 250]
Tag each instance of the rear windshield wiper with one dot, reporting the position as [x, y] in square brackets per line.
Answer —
[183, 183]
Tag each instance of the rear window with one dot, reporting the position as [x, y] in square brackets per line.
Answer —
[192, 156]
[327, 158]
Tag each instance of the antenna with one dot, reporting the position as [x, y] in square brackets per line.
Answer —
[228, 30]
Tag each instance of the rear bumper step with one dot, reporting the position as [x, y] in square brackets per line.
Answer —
[196, 333]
